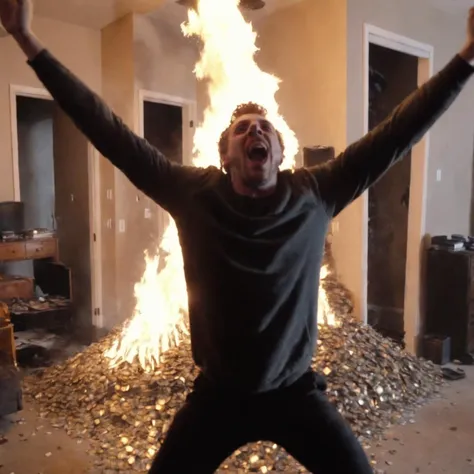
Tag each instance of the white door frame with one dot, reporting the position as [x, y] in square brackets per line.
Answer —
[93, 162]
[418, 184]
[189, 116]
[23, 91]
[94, 195]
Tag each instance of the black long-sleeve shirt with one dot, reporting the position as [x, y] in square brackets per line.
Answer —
[252, 265]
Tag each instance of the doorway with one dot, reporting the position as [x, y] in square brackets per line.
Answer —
[404, 320]
[393, 75]
[55, 179]
[167, 122]
[163, 128]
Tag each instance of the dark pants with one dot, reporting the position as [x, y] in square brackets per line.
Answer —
[212, 425]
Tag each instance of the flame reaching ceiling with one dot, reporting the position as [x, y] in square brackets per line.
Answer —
[247, 4]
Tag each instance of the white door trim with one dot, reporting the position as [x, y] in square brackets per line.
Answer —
[418, 184]
[94, 194]
[93, 161]
[403, 44]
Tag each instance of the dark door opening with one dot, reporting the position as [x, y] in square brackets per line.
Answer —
[163, 128]
[36, 161]
[392, 77]
[54, 187]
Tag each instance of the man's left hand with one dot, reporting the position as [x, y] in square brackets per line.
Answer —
[468, 51]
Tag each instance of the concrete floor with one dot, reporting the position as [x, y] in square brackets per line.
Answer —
[35, 447]
[441, 440]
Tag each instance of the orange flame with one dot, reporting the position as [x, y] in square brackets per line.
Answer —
[227, 62]
[325, 313]
[159, 319]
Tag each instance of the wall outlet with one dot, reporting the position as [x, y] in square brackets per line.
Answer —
[147, 213]
[122, 225]
[109, 194]
[109, 223]
[438, 174]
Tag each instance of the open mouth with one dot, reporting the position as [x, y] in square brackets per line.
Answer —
[258, 153]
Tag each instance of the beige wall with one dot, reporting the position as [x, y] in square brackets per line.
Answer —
[164, 58]
[154, 57]
[62, 39]
[451, 140]
[118, 73]
[305, 46]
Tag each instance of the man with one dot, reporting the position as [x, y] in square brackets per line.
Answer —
[252, 240]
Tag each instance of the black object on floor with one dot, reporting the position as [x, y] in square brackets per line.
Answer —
[437, 349]
[453, 374]
[11, 396]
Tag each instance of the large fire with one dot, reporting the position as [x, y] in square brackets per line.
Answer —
[233, 77]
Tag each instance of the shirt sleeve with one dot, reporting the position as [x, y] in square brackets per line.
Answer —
[149, 170]
[342, 180]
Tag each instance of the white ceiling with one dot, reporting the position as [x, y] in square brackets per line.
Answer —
[98, 13]
[92, 13]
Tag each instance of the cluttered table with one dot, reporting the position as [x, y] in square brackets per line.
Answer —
[20, 292]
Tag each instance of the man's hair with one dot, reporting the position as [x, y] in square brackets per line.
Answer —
[244, 109]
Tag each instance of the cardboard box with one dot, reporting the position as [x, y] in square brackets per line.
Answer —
[16, 287]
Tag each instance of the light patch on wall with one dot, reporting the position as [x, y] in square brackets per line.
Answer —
[164, 59]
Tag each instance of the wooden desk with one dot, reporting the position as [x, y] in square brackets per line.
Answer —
[50, 275]
[32, 249]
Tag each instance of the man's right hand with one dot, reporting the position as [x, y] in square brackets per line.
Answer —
[15, 16]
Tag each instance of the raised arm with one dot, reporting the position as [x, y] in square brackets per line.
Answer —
[342, 180]
[143, 164]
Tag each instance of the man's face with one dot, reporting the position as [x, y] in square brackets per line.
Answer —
[254, 152]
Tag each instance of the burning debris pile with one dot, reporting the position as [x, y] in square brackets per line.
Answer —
[126, 411]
